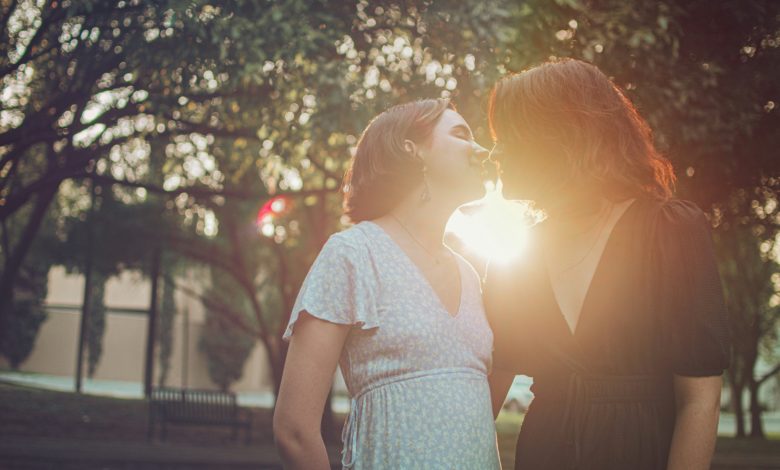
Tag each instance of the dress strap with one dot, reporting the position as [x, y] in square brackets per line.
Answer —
[349, 433]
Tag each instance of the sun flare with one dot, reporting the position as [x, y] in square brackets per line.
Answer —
[494, 228]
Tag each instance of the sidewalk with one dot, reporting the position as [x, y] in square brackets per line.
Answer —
[26, 452]
[62, 453]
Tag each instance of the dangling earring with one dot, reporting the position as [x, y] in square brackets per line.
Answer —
[426, 193]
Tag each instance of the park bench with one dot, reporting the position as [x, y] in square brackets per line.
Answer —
[197, 407]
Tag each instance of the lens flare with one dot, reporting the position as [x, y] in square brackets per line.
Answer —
[495, 228]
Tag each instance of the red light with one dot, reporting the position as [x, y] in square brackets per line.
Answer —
[273, 208]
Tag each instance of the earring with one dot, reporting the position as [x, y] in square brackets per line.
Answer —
[426, 193]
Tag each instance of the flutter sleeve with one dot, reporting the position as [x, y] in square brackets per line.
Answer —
[338, 287]
[693, 312]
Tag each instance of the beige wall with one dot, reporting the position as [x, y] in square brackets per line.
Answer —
[124, 342]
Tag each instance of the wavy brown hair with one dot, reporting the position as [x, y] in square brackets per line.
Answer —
[382, 172]
[569, 109]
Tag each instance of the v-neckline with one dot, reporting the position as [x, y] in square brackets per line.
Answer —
[418, 272]
[573, 333]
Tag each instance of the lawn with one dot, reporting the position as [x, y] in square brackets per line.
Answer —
[53, 414]
[44, 414]
[730, 452]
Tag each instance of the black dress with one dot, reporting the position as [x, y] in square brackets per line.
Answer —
[603, 396]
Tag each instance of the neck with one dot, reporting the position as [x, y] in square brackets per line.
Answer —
[426, 221]
[576, 212]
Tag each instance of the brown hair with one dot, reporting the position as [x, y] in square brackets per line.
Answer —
[570, 108]
[382, 172]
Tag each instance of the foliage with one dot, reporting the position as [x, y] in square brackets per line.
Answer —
[165, 331]
[225, 345]
[190, 115]
[20, 331]
[96, 322]
[751, 276]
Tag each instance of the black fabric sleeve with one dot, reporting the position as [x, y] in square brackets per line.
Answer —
[693, 313]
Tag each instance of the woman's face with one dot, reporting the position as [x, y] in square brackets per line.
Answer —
[528, 172]
[454, 160]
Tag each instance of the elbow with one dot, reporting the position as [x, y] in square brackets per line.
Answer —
[294, 437]
[288, 437]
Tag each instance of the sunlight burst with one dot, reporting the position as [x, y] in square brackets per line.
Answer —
[494, 228]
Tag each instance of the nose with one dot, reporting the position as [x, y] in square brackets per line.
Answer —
[479, 151]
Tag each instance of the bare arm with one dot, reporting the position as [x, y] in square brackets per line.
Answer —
[698, 409]
[500, 381]
[311, 361]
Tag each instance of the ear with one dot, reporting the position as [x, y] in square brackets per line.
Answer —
[410, 147]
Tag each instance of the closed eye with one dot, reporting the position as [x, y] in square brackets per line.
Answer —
[462, 132]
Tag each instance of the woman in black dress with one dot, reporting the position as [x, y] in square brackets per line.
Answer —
[616, 308]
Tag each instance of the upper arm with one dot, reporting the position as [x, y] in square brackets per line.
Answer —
[697, 391]
[311, 362]
[692, 309]
[336, 296]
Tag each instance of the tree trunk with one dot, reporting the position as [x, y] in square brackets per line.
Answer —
[151, 325]
[737, 387]
[756, 427]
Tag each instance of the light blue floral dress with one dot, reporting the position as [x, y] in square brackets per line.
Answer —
[416, 374]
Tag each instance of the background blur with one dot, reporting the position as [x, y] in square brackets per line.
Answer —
[169, 170]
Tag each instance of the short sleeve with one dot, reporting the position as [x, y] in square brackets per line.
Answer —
[694, 320]
[338, 287]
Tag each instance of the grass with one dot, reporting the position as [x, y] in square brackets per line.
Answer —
[507, 428]
[36, 413]
[52, 414]
[727, 448]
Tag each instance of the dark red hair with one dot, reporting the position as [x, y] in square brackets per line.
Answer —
[382, 172]
[570, 110]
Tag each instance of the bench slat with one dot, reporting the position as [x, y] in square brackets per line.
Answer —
[196, 406]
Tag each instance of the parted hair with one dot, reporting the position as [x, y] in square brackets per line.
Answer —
[572, 110]
[383, 171]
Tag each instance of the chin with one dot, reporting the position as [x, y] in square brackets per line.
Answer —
[469, 192]
[524, 188]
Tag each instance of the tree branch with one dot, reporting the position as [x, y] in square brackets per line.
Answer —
[212, 304]
[769, 374]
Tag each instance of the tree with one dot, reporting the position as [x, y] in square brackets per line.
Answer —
[96, 325]
[195, 114]
[165, 333]
[225, 344]
[102, 77]
[750, 271]
[21, 331]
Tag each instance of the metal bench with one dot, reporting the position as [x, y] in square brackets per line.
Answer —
[198, 407]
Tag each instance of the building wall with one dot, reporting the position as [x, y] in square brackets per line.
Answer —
[124, 343]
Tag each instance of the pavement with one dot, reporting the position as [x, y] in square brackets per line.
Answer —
[64, 453]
